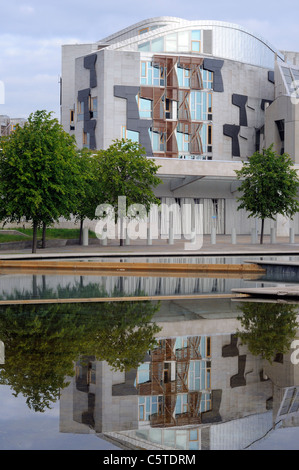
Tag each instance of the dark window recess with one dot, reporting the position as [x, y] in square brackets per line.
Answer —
[280, 128]
[210, 149]
[257, 140]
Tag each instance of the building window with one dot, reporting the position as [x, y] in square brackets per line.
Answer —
[86, 139]
[208, 347]
[93, 106]
[158, 141]
[144, 80]
[206, 135]
[183, 75]
[158, 45]
[142, 31]
[201, 104]
[183, 41]
[143, 373]
[150, 405]
[210, 134]
[168, 109]
[80, 112]
[129, 135]
[181, 405]
[193, 439]
[209, 106]
[196, 41]
[145, 108]
[207, 79]
[152, 74]
[183, 141]
[72, 117]
[159, 74]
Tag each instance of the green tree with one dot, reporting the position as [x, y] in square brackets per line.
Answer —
[39, 173]
[90, 192]
[42, 343]
[125, 171]
[269, 186]
[268, 328]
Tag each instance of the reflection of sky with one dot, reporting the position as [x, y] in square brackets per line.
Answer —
[280, 439]
[23, 429]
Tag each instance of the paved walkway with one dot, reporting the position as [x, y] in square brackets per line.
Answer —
[161, 248]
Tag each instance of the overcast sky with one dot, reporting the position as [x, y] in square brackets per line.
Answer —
[32, 32]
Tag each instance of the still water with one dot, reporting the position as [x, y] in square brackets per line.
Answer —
[184, 374]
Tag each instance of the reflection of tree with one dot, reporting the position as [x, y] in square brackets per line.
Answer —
[268, 328]
[75, 291]
[43, 341]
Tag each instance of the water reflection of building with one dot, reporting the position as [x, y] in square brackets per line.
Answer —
[27, 286]
[191, 392]
[284, 374]
[174, 385]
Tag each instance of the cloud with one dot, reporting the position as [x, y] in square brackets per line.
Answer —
[27, 9]
[30, 71]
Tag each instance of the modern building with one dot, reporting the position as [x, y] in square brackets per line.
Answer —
[193, 391]
[199, 96]
[7, 124]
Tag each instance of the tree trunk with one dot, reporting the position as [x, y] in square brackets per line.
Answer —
[81, 232]
[44, 235]
[262, 232]
[34, 238]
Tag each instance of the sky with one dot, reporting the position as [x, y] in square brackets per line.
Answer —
[33, 31]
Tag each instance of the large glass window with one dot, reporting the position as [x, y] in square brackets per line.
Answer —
[183, 41]
[143, 373]
[129, 135]
[158, 45]
[145, 47]
[183, 75]
[183, 142]
[158, 140]
[150, 405]
[181, 405]
[201, 106]
[152, 74]
[207, 79]
[145, 108]
[159, 74]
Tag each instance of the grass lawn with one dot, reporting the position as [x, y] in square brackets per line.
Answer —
[51, 233]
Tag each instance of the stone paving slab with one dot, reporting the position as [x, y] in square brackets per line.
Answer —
[161, 248]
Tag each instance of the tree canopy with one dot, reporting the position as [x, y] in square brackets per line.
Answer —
[268, 329]
[39, 173]
[42, 343]
[269, 186]
[125, 171]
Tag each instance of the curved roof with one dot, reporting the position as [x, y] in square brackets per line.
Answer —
[230, 40]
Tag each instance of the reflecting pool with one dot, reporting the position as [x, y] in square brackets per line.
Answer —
[184, 374]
